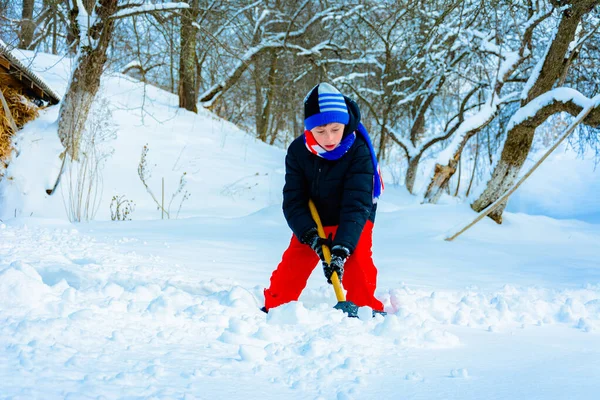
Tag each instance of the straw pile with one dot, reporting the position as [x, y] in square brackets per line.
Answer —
[22, 110]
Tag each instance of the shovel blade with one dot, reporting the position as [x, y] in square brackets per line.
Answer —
[348, 308]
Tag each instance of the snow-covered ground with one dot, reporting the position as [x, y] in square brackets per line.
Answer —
[168, 309]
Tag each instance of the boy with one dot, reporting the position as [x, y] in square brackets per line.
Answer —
[334, 164]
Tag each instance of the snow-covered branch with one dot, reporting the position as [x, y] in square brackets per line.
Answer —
[315, 50]
[148, 8]
[282, 36]
[562, 99]
[352, 61]
[352, 76]
[400, 80]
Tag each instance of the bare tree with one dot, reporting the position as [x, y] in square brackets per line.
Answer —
[465, 127]
[273, 31]
[414, 55]
[92, 33]
[538, 103]
[92, 43]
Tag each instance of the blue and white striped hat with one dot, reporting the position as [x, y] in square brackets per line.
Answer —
[323, 105]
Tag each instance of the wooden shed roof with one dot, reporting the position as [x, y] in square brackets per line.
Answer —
[17, 75]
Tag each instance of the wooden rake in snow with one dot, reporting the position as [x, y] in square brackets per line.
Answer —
[347, 307]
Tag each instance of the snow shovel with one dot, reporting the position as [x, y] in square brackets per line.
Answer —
[347, 307]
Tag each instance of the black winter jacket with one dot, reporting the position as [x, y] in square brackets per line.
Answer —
[342, 191]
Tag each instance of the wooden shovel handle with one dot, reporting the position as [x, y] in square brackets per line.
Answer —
[335, 280]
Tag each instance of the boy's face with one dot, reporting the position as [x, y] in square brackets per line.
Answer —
[328, 136]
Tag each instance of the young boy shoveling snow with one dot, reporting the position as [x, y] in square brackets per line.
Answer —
[334, 164]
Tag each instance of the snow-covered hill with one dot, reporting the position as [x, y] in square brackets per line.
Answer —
[226, 169]
[168, 309]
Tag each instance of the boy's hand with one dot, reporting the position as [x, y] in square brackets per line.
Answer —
[316, 242]
[339, 254]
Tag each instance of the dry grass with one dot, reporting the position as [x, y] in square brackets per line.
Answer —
[22, 110]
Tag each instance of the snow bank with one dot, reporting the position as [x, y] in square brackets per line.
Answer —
[564, 186]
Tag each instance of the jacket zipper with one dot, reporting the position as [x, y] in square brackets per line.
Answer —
[318, 175]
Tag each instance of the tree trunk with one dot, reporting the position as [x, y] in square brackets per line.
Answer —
[85, 81]
[443, 173]
[276, 128]
[474, 168]
[264, 104]
[76, 104]
[507, 170]
[27, 25]
[382, 134]
[459, 174]
[556, 60]
[519, 138]
[188, 95]
[54, 31]
[73, 30]
[440, 180]
[411, 173]
[382, 144]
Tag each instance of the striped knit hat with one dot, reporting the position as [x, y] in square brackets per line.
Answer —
[323, 105]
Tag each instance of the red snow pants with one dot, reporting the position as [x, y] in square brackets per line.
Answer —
[299, 260]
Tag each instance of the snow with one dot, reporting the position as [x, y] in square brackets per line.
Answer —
[177, 143]
[164, 309]
[565, 186]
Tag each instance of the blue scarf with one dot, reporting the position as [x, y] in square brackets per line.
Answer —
[344, 146]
